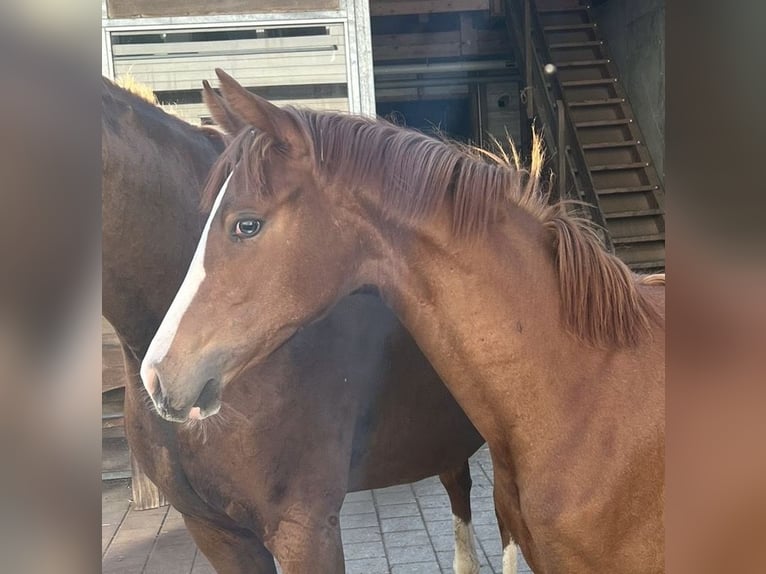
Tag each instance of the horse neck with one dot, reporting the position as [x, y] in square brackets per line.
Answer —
[486, 313]
[153, 175]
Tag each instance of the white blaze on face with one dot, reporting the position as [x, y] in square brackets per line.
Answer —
[466, 559]
[509, 559]
[194, 277]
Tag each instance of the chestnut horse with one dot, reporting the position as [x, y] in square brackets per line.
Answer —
[553, 348]
[348, 404]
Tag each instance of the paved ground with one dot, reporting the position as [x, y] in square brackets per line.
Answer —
[398, 530]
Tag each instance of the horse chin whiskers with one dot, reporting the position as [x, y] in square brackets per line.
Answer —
[224, 416]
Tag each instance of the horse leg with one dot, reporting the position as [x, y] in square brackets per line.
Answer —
[457, 482]
[230, 551]
[510, 552]
[306, 543]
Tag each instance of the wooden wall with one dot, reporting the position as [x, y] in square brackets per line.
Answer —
[264, 60]
[502, 110]
[159, 8]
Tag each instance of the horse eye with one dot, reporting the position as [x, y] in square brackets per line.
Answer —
[247, 227]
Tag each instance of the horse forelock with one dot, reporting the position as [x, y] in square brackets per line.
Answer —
[417, 175]
[250, 145]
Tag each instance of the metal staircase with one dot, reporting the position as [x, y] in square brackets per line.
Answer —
[589, 127]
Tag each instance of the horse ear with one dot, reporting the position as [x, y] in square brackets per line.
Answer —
[221, 113]
[262, 114]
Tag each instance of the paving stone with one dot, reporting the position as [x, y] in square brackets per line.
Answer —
[393, 539]
[359, 550]
[359, 520]
[400, 524]
[367, 566]
[484, 517]
[412, 553]
[358, 496]
[417, 568]
[436, 513]
[354, 535]
[360, 507]
[439, 527]
[443, 543]
[434, 501]
[399, 510]
[429, 486]
[386, 496]
[489, 535]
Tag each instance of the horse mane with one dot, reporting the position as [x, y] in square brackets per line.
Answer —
[131, 95]
[655, 280]
[418, 175]
[138, 89]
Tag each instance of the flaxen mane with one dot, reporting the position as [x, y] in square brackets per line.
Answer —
[418, 175]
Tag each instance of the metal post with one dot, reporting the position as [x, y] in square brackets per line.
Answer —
[528, 57]
[562, 145]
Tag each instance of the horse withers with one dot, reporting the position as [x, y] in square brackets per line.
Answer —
[551, 345]
[349, 404]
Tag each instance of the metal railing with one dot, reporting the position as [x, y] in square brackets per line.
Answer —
[545, 101]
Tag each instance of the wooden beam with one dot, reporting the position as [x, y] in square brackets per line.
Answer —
[440, 45]
[467, 34]
[146, 495]
[144, 8]
[400, 7]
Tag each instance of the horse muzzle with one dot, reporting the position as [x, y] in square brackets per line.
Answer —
[171, 407]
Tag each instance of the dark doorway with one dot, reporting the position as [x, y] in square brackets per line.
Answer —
[450, 117]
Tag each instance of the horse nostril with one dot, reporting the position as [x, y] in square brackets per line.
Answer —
[151, 379]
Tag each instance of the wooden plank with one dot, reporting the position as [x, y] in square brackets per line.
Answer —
[175, 550]
[114, 508]
[249, 72]
[202, 565]
[146, 495]
[193, 112]
[246, 73]
[440, 45]
[497, 8]
[399, 7]
[444, 50]
[416, 94]
[418, 38]
[153, 8]
[468, 35]
[336, 37]
[133, 542]
[180, 62]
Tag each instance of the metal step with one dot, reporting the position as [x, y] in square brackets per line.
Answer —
[638, 238]
[647, 265]
[568, 45]
[610, 145]
[565, 27]
[599, 82]
[634, 189]
[581, 63]
[603, 123]
[559, 10]
[593, 103]
[630, 214]
[111, 410]
[619, 166]
[116, 475]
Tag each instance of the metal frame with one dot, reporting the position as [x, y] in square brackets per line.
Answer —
[353, 14]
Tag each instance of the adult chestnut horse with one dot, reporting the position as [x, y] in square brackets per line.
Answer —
[348, 404]
[552, 346]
